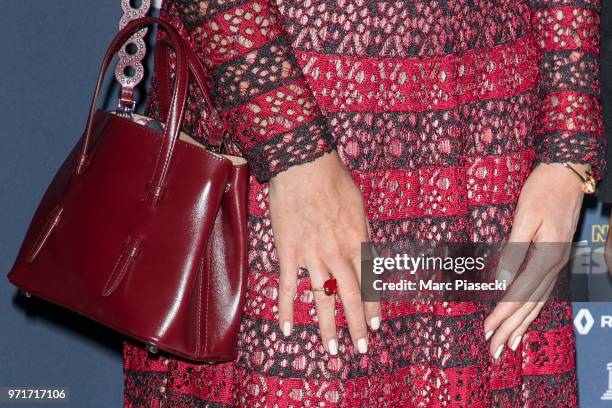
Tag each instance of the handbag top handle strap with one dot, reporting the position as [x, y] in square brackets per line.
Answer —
[132, 59]
[197, 69]
[175, 114]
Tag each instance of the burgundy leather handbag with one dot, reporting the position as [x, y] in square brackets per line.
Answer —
[144, 230]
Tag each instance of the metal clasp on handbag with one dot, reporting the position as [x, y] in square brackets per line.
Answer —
[124, 110]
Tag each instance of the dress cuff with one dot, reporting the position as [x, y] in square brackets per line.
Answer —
[580, 148]
[298, 146]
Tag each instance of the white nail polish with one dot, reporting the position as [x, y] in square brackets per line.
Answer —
[375, 323]
[362, 346]
[333, 347]
[287, 329]
[488, 335]
[499, 351]
[516, 343]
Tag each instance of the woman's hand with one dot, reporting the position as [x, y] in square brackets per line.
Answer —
[547, 213]
[318, 222]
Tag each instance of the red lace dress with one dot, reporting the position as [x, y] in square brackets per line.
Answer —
[440, 109]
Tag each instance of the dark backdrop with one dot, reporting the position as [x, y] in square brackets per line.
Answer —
[51, 51]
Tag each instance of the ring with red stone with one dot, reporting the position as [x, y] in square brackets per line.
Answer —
[330, 287]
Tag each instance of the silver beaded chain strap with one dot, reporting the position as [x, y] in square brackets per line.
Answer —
[131, 55]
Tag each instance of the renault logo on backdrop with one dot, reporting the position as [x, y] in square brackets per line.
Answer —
[583, 322]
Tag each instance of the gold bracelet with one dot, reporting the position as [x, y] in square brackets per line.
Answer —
[588, 181]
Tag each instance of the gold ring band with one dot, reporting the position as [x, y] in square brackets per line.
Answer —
[330, 287]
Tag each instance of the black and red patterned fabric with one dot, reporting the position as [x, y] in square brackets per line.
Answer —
[440, 109]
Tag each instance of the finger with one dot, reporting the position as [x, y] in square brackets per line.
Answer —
[524, 225]
[522, 289]
[372, 307]
[514, 252]
[540, 261]
[517, 335]
[509, 325]
[372, 314]
[369, 229]
[513, 322]
[350, 295]
[287, 288]
[325, 305]
[512, 257]
[513, 300]
[502, 311]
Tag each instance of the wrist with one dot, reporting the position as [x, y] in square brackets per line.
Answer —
[317, 169]
[556, 175]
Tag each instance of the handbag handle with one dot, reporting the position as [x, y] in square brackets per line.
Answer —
[198, 71]
[155, 187]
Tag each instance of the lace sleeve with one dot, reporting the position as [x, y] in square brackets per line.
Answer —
[570, 125]
[258, 87]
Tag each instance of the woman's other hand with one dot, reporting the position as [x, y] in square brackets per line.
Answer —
[546, 215]
[318, 222]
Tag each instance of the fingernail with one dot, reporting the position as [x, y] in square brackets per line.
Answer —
[516, 343]
[333, 347]
[362, 346]
[488, 335]
[287, 329]
[499, 351]
[375, 323]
